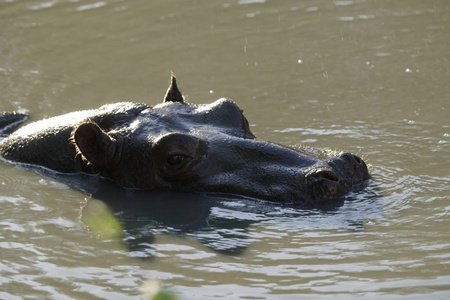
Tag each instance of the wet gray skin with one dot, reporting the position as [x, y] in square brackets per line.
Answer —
[179, 146]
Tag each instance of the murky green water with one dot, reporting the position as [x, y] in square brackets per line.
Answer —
[371, 77]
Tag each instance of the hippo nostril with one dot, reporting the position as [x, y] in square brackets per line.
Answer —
[356, 164]
[328, 175]
[357, 159]
[350, 157]
[354, 160]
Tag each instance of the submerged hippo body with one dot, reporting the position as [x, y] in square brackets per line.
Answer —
[180, 146]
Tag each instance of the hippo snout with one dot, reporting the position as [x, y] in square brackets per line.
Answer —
[354, 166]
[337, 177]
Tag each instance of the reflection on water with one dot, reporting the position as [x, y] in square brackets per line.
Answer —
[220, 222]
[362, 76]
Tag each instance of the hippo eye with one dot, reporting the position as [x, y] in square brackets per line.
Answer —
[176, 155]
[176, 159]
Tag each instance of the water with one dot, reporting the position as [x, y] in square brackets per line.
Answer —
[369, 77]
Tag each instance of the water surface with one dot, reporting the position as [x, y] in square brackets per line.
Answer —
[370, 77]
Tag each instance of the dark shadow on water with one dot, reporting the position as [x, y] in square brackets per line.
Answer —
[220, 222]
[144, 214]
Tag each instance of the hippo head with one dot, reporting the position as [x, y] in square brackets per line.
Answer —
[210, 148]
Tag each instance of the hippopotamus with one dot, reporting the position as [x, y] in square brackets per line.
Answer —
[180, 146]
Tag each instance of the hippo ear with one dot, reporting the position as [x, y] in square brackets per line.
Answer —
[96, 146]
[173, 94]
